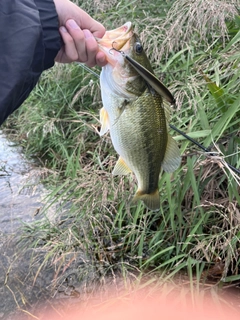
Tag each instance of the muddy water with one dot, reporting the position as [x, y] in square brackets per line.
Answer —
[19, 199]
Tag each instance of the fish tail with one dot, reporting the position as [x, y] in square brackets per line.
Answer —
[151, 200]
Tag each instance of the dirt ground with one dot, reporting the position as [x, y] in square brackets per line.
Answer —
[26, 290]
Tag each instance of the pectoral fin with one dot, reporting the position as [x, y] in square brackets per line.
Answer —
[172, 158]
[121, 169]
[104, 120]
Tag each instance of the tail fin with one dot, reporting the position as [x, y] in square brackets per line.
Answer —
[151, 200]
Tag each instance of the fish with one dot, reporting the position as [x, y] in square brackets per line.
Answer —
[135, 114]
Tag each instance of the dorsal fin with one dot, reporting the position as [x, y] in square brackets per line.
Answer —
[172, 158]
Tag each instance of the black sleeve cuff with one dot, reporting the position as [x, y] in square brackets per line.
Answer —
[51, 35]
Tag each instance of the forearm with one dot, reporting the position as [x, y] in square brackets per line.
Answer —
[50, 31]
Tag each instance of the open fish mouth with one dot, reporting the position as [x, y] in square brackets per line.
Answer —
[116, 38]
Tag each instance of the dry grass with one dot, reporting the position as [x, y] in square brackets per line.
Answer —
[199, 20]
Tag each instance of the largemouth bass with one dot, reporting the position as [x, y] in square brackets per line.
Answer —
[134, 114]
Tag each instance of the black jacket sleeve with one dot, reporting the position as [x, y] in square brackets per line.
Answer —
[29, 42]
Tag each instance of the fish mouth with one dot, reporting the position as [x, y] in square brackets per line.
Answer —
[115, 39]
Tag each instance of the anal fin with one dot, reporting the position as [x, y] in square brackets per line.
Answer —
[121, 168]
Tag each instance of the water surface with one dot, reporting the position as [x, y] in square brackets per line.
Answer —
[20, 200]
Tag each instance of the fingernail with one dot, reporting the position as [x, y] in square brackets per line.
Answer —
[87, 34]
[63, 29]
[72, 24]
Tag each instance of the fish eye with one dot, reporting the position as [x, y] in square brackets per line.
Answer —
[138, 48]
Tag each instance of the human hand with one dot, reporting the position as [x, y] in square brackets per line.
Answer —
[78, 31]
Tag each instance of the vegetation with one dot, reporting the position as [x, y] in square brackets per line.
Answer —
[195, 51]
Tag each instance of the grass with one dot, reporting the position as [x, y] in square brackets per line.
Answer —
[197, 228]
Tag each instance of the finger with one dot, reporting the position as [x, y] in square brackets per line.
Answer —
[87, 22]
[91, 48]
[78, 39]
[101, 59]
[97, 29]
[71, 53]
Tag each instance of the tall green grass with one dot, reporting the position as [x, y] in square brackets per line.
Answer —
[198, 223]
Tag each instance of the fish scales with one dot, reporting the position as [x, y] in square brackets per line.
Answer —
[143, 142]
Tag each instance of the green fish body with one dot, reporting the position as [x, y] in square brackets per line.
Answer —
[134, 114]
